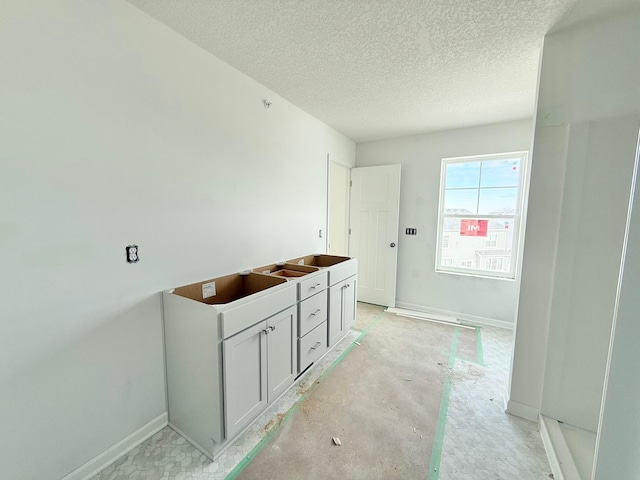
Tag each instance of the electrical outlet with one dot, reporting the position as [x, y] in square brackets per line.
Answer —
[132, 254]
[319, 233]
[411, 231]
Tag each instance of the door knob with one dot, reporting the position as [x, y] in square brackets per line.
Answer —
[392, 245]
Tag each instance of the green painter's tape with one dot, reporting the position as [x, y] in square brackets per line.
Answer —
[436, 450]
[260, 445]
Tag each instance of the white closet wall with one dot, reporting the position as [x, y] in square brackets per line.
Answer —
[583, 157]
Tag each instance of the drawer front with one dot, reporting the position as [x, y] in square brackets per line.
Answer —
[312, 346]
[312, 284]
[313, 311]
[251, 312]
[342, 271]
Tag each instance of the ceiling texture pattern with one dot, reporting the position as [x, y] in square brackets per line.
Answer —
[385, 68]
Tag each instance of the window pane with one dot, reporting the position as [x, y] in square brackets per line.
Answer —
[498, 201]
[463, 175]
[500, 173]
[490, 253]
[461, 201]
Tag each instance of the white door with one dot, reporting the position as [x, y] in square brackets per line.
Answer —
[375, 202]
[338, 224]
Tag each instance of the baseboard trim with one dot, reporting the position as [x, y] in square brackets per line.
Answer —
[110, 455]
[523, 411]
[561, 461]
[464, 317]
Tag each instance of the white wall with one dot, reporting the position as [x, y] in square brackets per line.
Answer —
[619, 433]
[115, 130]
[421, 156]
[593, 215]
[584, 147]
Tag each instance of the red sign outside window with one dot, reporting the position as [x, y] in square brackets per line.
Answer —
[473, 228]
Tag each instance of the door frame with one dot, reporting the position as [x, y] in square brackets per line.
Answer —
[338, 161]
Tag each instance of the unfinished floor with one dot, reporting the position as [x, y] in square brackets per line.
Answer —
[408, 399]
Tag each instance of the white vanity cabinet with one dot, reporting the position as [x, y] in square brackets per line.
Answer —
[222, 368]
[234, 344]
[259, 364]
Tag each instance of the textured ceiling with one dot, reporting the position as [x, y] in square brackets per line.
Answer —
[384, 68]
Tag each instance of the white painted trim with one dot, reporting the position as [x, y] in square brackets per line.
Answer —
[339, 161]
[113, 453]
[442, 319]
[332, 159]
[554, 463]
[560, 458]
[523, 411]
[464, 317]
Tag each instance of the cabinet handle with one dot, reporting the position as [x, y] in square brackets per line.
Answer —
[315, 313]
[316, 286]
[266, 331]
[316, 345]
[272, 327]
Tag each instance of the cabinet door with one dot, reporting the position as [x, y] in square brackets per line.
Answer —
[349, 300]
[335, 313]
[245, 377]
[282, 352]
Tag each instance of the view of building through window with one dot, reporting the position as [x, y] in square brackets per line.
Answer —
[480, 209]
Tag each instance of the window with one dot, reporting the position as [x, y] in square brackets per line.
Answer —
[491, 240]
[494, 264]
[479, 217]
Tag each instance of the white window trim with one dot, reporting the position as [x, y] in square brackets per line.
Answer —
[517, 218]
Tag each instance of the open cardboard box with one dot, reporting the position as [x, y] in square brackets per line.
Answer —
[228, 288]
[317, 260]
[286, 270]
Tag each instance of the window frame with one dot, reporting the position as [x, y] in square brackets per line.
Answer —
[516, 217]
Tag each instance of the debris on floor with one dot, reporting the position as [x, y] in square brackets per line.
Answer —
[336, 441]
[357, 343]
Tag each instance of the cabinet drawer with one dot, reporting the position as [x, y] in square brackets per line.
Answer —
[312, 285]
[251, 312]
[313, 311]
[312, 346]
